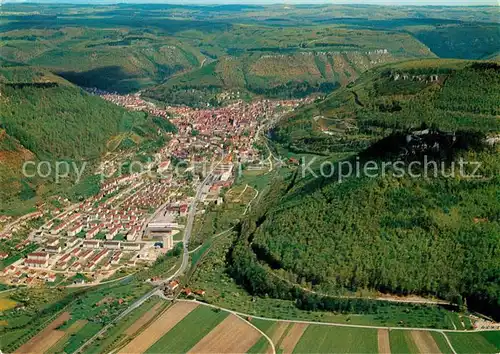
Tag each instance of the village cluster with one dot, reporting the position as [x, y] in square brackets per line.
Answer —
[134, 218]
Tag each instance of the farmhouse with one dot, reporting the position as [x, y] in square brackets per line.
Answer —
[85, 254]
[98, 257]
[134, 233]
[116, 258]
[58, 228]
[9, 270]
[76, 266]
[110, 235]
[63, 261]
[52, 242]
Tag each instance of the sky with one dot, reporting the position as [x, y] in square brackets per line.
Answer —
[207, 2]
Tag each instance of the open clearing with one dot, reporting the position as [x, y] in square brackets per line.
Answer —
[233, 335]
[158, 328]
[292, 338]
[148, 316]
[46, 338]
[425, 342]
[325, 339]
[384, 346]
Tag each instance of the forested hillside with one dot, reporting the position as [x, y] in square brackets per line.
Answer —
[289, 62]
[44, 117]
[191, 54]
[466, 41]
[447, 94]
[435, 235]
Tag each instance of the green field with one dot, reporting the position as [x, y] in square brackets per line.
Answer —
[260, 347]
[441, 343]
[189, 55]
[481, 342]
[80, 337]
[264, 325]
[324, 339]
[189, 331]
[401, 342]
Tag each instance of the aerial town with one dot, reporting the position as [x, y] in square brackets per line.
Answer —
[135, 216]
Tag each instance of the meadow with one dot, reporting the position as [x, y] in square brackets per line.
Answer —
[483, 342]
[322, 339]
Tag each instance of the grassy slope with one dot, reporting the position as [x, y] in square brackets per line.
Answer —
[441, 343]
[467, 41]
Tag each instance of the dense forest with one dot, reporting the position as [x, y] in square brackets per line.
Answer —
[438, 235]
[44, 117]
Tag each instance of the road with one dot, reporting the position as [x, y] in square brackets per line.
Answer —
[185, 258]
[190, 220]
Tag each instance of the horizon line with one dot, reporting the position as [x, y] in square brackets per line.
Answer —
[250, 3]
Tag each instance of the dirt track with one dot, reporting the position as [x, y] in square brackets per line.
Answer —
[159, 328]
[232, 335]
[293, 337]
[424, 342]
[384, 345]
[46, 338]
